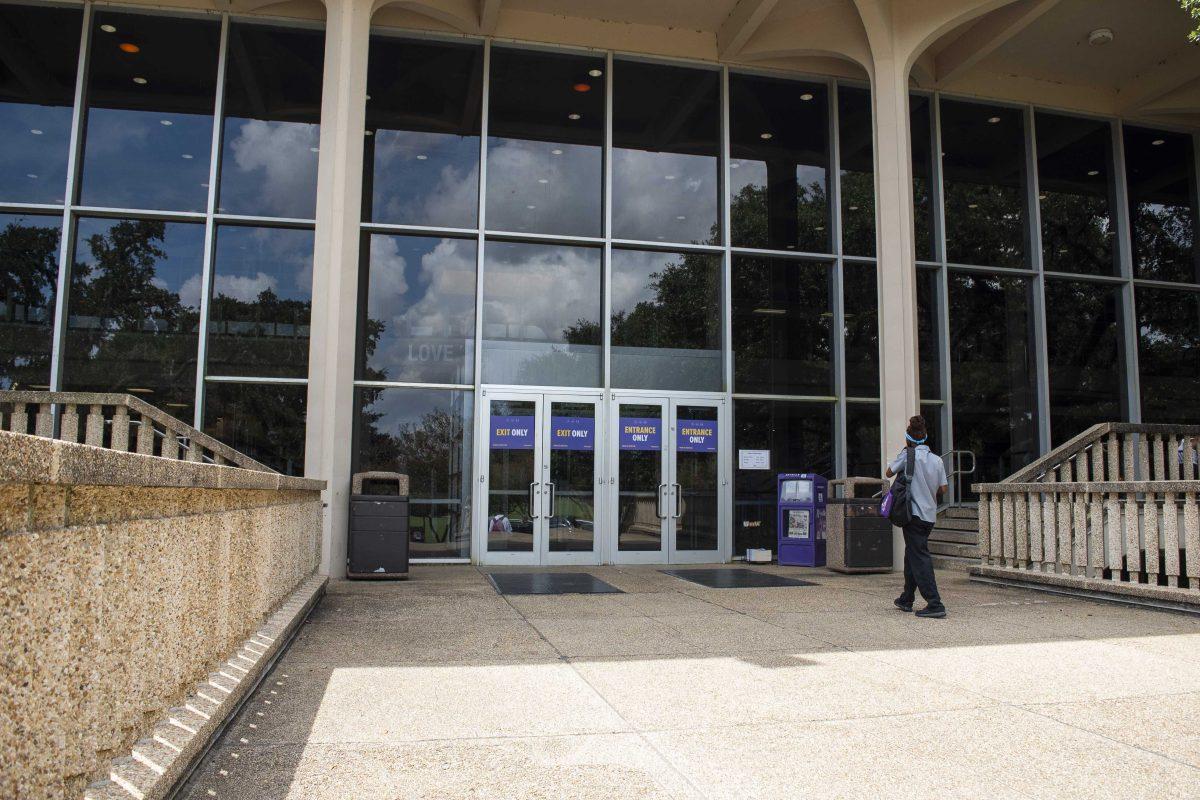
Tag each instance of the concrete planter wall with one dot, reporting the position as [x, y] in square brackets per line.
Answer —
[125, 579]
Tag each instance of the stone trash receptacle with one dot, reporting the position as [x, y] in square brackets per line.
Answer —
[378, 545]
[858, 539]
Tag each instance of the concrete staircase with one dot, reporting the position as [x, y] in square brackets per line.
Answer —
[954, 542]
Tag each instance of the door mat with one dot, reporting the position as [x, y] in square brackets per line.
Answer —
[735, 578]
[550, 583]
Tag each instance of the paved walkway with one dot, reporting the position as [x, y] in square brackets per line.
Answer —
[440, 688]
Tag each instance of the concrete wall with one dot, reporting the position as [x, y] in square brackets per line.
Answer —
[124, 579]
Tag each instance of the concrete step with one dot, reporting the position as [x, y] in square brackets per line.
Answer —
[962, 512]
[957, 523]
[955, 563]
[953, 549]
[940, 534]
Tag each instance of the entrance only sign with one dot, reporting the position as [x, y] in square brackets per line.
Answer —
[696, 436]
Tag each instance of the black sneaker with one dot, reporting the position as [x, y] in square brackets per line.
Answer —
[932, 612]
[903, 606]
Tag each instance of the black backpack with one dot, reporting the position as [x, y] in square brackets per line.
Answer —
[900, 513]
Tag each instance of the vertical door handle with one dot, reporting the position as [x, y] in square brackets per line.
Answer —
[552, 491]
[658, 502]
[532, 505]
[678, 490]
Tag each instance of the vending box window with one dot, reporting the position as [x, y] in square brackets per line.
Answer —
[802, 499]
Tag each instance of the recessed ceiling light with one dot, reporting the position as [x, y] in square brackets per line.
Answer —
[204, 185]
[129, 47]
[31, 175]
[1093, 172]
[109, 28]
[166, 122]
[582, 87]
[1100, 36]
[806, 97]
[314, 149]
[734, 165]
[36, 131]
[531, 208]
[765, 136]
[368, 97]
[422, 157]
[188, 156]
[556, 152]
[668, 177]
[775, 311]
[681, 217]
[572, 116]
[1042, 197]
[595, 73]
[993, 120]
[543, 180]
[853, 208]
[140, 81]
[972, 205]
[368, 133]
[1159, 142]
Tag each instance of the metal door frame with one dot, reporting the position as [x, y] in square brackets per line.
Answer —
[724, 539]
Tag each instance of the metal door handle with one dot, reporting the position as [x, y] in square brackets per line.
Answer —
[532, 506]
[553, 492]
[678, 500]
[658, 501]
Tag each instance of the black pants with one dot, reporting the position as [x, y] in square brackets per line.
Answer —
[918, 566]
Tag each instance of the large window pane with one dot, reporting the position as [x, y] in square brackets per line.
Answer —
[861, 336]
[1169, 355]
[541, 314]
[545, 142]
[983, 164]
[421, 156]
[152, 83]
[666, 147]
[922, 165]
[1086, 360]
[28, 284]
[418, 319]
[782, 321]
[264, 421]
[426, 435]
[799, 437]
[863, 429]
[133, 312]
[37, 92]
[929, 312]
[272, 121]
[992, 373]
[666, 320]
[1076, 194]
[1162, 204]
[261, 302]
[855, 134]
[779, 164]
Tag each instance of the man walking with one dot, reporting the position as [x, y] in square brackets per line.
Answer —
[927, 486]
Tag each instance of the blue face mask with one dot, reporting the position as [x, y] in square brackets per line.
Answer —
[915, 441]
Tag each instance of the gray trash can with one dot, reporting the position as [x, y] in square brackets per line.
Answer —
[859, 540]
[378, 540]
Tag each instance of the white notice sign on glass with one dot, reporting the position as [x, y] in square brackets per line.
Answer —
[754, 459]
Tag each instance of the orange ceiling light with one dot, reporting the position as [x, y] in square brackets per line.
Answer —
[582, 87]
[129, 47]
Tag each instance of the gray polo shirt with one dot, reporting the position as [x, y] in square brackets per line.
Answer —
[928, 474]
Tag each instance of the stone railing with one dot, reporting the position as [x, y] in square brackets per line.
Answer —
[118, 422]
[1113, 510]
[138, 597]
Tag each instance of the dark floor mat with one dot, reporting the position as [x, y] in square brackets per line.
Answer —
[550, 583]
[736, 578]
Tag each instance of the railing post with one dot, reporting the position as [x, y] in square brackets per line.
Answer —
[1172, 461]
[1150, 536]
[1079, 533]
[1112, 455]
[94, 433]
[997, 525]
[1049, 533]
[1021, 530]
[70, 423]
[44, 424]
[120, 430]
[985, 530]
[1037, 548]
[170, 444]
[1171, 539]
[145, 436]
[1133, 558]
[1095, 536]
[1191, 526]
[1112, 536]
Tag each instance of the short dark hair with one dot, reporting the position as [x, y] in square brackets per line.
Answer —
[917, 428]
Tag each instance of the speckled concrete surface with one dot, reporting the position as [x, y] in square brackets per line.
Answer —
[676, 691]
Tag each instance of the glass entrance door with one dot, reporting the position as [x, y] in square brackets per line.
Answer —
[668, 487]
[539, 479]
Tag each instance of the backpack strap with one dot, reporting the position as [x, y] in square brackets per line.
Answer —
[910, 461]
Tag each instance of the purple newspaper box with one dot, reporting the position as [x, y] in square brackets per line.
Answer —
[802, 498]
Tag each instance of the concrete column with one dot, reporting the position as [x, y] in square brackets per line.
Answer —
[335, 270]
[899, 393]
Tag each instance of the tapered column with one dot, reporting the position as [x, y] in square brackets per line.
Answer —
[335, 270]
[899, 395]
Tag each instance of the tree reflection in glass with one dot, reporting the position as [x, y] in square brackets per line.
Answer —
[37, 92]
[1169, 355]
[1085, 357]
[922, 165]
[271, 131]
[264, 421]
[857, 152]
[983, 166]
[261, 302]
[133, 312]
[863, 432]
[779, 164]
[426, 435]
[28, 284]
[541, 314]
[666, 320]
[861, 335]
[928, 339]
[152, 85]
[992, 372]
[782, 326]
[1162, 204]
